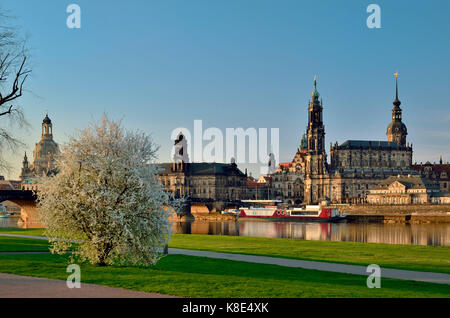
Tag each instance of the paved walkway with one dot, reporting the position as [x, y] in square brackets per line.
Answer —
[429, 277]
[24, 236]
[15, 286]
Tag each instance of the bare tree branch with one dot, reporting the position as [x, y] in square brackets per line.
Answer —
[13, 74]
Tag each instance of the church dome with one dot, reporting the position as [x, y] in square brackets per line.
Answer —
[45, 150]
[396, 127]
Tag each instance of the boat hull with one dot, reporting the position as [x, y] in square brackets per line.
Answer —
[293, 218]
[324, 215]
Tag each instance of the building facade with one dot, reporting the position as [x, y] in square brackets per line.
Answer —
[260, 189]
[410, 189]
[44, 154]
[438, 172]
[355, 166]
[201, 181]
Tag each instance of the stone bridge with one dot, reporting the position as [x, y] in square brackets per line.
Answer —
[26, 199]
[213, 205]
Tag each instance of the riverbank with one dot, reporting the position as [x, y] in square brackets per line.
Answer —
[414, 214]
[352, 216]
[411, 209]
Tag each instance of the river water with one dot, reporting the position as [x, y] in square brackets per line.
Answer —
[399, 233]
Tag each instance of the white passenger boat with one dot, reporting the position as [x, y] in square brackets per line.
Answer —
[274, 209]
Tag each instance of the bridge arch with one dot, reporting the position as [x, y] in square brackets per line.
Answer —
[26, 200]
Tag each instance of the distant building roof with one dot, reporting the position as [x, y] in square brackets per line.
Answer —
[205, 168]
[285, 165]
[264, 179]
[370, 144]
[9, 185]
[441, 194]
[256, 184]
[409, 181]
[438, 169]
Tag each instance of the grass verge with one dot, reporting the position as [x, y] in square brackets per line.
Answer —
[16, 244]
[409, 257]
[190, 276]
[11, 230]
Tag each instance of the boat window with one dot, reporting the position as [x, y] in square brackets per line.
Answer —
[304, 213]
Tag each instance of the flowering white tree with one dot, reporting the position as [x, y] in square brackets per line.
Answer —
[106, 196]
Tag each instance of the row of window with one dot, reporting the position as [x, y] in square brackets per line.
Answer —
[365, 163]
[167, 183]
[402, 200]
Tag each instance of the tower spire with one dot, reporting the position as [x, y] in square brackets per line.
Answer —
[396, 101]
[396, 130]
[315, 94]
[396, 85]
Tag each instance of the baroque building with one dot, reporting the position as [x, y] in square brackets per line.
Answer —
[355, 165]
[201, 181]
[287, 181]
[410, 189]
[44, 155]
[438, 172]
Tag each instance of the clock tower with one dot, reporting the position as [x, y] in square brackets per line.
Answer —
[315, 168]
[396, 131]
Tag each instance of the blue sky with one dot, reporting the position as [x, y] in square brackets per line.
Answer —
[238, 63]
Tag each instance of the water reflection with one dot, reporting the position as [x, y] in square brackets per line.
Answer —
[418, 234]
[14, 221]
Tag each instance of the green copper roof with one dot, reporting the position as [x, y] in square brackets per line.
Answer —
[315, 93]
[304, 142]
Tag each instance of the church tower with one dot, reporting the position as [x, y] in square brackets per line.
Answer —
[315, 129]
[25, 168]
[396, 131]
[315, 150]
[46, 149]
[47, 129]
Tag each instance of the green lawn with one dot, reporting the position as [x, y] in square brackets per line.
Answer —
[15, 244]
[34, 232]
[190, 276]
[411, 257]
